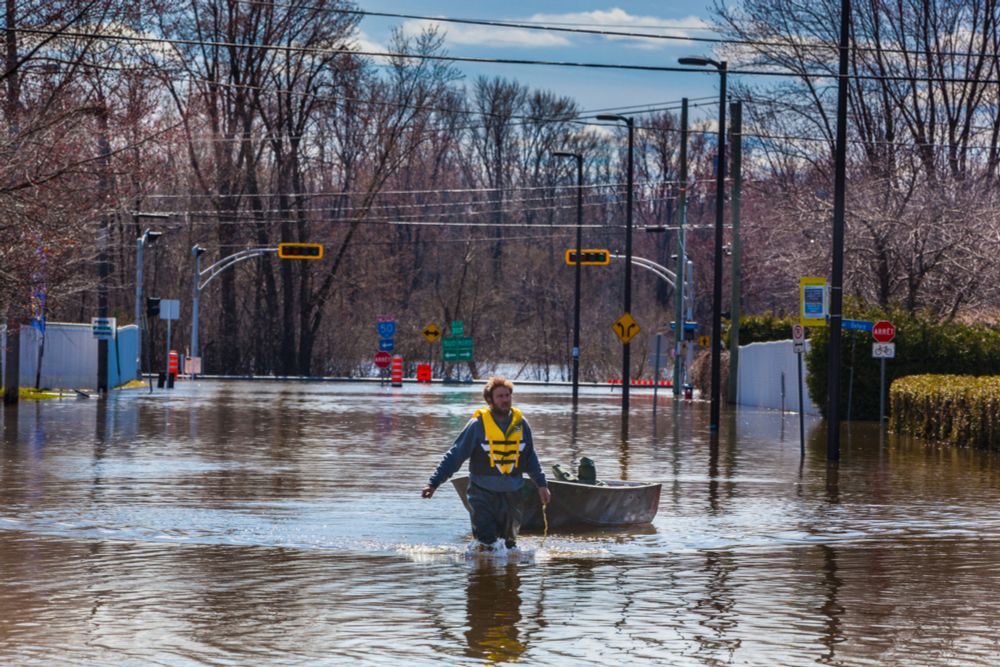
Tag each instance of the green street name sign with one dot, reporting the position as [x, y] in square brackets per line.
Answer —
[458, 348]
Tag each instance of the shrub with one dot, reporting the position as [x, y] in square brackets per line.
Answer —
[760, 329]
[923, 345]
[959, 409]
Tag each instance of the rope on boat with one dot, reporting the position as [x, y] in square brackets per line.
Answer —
[545, 521]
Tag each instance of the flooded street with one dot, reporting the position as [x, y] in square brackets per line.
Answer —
[282, 524]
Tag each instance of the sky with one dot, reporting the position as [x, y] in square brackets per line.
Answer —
[593, 89]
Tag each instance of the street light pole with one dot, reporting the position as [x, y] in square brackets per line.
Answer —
[576, 297]
[630, 174]
[720, 184]
[197, 251]
[680, 332]
[148, 236]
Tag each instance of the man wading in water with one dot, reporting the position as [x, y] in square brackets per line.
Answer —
[498, 445]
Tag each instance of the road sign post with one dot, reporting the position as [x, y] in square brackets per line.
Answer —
[799, 347]
[883, 332]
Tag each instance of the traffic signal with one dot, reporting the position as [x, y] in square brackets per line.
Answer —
[590, 257]
[152, 306]
[300, 251]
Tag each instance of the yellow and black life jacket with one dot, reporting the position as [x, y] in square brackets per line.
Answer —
[500, 453]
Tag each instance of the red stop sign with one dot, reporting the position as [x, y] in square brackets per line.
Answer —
[883, 331]
[382, 359]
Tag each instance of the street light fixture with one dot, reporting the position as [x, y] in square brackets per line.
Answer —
[626, 348]
[148, 236]
[579, 246]
[720, 183]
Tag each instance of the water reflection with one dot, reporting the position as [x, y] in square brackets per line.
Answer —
[832, 610]
[715, 609]
[493, 613]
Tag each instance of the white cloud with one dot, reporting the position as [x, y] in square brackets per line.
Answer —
[361, 42]
[482, 35]
[619, 20]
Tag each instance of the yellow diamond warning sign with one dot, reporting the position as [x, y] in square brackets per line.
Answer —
[432, 333]
[625, 327]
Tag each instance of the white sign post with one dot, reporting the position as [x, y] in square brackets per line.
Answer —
[883, 351]
[799, 346]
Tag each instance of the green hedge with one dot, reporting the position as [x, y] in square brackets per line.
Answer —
[760, 329]
[923, 345]
[959, 409]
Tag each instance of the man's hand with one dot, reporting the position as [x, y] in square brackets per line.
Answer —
[427, 492]
[544, 495]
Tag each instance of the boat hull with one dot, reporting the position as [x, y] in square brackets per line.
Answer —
[575, 505]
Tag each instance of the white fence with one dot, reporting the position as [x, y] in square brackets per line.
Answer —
[70, 356]
[768, 375]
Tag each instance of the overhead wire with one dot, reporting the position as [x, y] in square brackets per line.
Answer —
[604, 32]
[497, 61]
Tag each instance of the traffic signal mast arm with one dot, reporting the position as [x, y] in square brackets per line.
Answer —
[215, 269]
[660, 270]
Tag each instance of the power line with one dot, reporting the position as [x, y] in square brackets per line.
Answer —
[561, 27]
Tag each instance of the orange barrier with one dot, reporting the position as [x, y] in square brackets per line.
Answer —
[173, 362]
[397, 371]
[423, 372]
[643, 382]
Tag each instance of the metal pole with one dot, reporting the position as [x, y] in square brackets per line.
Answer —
[167, 357]
[627, 348]
[881, 394]
[139, 247]
[195, 298]
[690, 315]
[720, 184]
[837, 281]
[736, 170]
[850, 378]
[802, 409]
[679, 318]
[578, 271]
[656, 370]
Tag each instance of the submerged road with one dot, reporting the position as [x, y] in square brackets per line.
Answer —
[234, 523]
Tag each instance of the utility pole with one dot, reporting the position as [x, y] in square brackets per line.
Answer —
[13, 316]
[837, 281]
[104, 189]
[736, 172]
[679, 319]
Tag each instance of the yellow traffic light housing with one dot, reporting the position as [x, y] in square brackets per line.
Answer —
[300, 251]
[590, 257]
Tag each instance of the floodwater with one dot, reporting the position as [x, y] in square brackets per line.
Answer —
[282, 524]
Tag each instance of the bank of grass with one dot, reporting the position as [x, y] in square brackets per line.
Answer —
[959, 409]
[32, 394]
